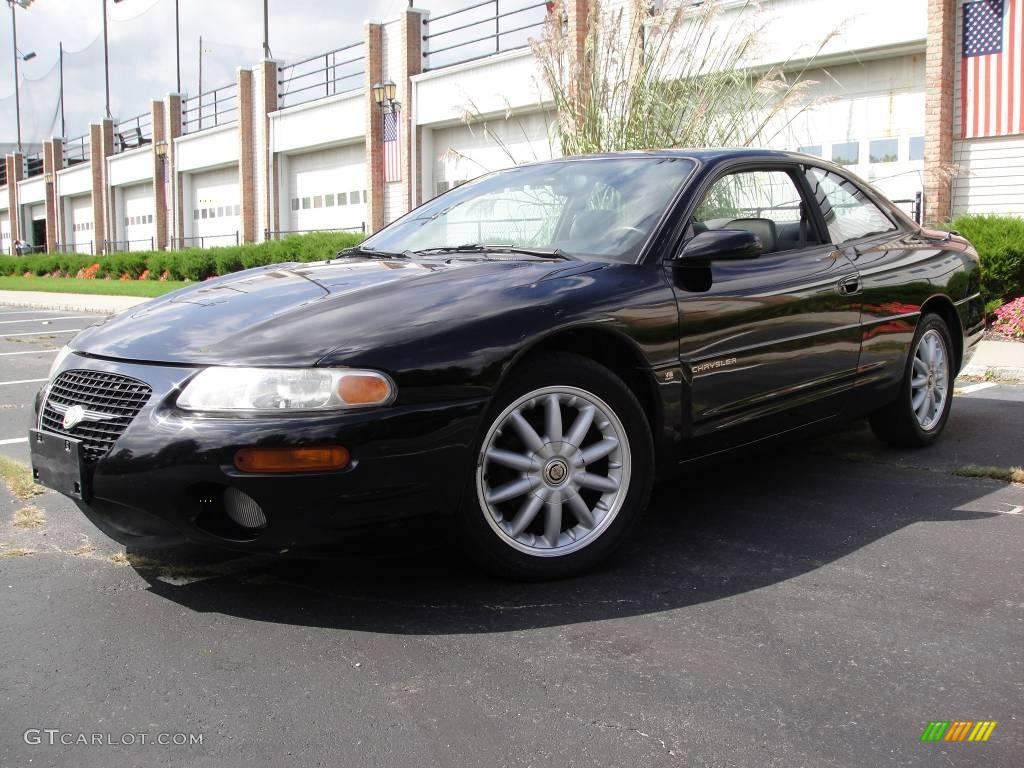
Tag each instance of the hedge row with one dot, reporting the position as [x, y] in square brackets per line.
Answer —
[1000, 243]
[187, 264]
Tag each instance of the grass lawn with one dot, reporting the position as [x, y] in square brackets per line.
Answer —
[148, 288]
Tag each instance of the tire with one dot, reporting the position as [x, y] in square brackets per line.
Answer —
[900, 424]
[538, 508]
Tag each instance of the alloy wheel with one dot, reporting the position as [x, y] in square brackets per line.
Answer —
[929, 381]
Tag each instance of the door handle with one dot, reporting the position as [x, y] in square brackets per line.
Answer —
[849, 285]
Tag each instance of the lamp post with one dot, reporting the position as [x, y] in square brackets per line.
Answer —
[384, 95]
[18, 56]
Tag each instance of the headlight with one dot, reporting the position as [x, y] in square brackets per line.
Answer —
[285, 389]
[59, 361]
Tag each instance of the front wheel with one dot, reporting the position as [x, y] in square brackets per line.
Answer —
[562, 474]
[917, 417]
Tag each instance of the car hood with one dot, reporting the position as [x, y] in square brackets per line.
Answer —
[295, 314]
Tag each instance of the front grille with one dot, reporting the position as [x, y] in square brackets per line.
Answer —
[117, 398]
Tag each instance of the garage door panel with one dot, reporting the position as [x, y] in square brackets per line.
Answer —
[216, 206]
[327, 188]
[79, 230]
[137, 225]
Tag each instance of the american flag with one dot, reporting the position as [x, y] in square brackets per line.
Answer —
[392, 151]
[991, 75]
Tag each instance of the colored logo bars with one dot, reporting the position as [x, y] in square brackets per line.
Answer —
[958, 730]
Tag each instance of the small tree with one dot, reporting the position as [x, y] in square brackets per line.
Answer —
[678, 76]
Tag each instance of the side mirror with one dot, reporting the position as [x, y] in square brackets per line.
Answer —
[719, 245]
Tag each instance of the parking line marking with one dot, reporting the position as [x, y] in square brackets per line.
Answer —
[30, 311]
[14, 440]
[30, 352]
[47, 332]
[46, 319]
[21, 381]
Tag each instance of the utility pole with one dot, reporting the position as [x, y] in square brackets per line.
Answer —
[17, 92]
[177, 42]
[266, 29]
[106, 58]
[63, 127]
[200, 94]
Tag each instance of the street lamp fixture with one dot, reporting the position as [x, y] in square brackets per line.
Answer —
[27, 56]
[384, 95]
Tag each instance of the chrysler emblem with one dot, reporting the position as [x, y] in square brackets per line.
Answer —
[73, 416]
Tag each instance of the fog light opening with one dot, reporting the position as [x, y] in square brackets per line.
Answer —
[243, 510]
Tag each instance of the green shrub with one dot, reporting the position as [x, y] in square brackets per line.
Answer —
[187, 264]
[999, 241]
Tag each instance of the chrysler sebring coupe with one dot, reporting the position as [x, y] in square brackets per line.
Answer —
[516, 360]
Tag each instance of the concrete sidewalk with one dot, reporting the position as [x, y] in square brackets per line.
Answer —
[1002, 360]
[70, 302]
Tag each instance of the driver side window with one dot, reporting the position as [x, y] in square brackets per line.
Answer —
[767, 203]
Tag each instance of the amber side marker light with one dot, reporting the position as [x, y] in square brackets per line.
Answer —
[363, 389]
[292, 459]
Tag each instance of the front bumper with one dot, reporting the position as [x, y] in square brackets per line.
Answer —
[167, 473]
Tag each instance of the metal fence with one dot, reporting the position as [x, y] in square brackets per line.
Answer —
[3, 174]
[33, 165]
[277, 234]
[481, 30]
[133, 133]
[915, 204]
[83, 248]
[205, 241]
[124, 246]
[210, 109]
[323, 75]
[76, 151]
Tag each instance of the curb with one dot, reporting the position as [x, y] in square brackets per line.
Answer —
[994, 373]
[65, 302]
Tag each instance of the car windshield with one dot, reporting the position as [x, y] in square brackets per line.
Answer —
[602, 207]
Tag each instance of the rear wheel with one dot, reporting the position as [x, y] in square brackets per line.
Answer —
[919, 414]
[563, 471]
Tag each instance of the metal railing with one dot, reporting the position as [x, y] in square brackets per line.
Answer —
[231, 238]
[133, 133]
[323, 75]
[916, 205]
[210, 109]
[84, 248]
[3, 174]
[486, 29]
[33, 165]
[277, 234]
[125, 246]
[76, 151]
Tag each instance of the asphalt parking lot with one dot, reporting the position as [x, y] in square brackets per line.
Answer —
[815, 605]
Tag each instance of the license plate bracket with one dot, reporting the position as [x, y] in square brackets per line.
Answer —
[58, 462]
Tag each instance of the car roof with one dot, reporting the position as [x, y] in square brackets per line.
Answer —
[705, 155]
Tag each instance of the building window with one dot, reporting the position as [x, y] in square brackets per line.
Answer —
[195, 214]
[238, 210]
[355, 196]
[343, 198]
[329, 200]
[318, 201]
[364, 195]
[847, 153]
[917, 147]
[440, 187]
[220, 211]
[305, 203]
[884, 151]
[295, 203]
[810, 149]
[204, 211]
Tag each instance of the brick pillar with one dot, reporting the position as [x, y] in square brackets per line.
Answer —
[940, 70]
[411, 30]
[157, 110]
[263, 192]
[15, 167]
[53, 161]
[173, 215]
[373, 35]
[577, 13]
[101, 146]
[247, 154]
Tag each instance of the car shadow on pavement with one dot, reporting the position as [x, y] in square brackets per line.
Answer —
[729, 530]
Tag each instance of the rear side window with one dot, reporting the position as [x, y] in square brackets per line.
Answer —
[849, 213]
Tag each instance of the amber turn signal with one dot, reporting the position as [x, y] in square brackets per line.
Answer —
[292, 459]
[364, 389]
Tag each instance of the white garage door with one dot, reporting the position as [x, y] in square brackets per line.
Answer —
[79, 226]
[464, 152]
[327, 189]
[5, 233]
[216, 207]
[137, 226]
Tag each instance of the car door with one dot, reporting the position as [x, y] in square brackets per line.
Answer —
[769, 343]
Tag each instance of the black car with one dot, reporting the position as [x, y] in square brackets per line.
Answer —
[515, 360]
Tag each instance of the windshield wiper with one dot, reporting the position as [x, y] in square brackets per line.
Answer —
[540, 253]
[372, 253]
